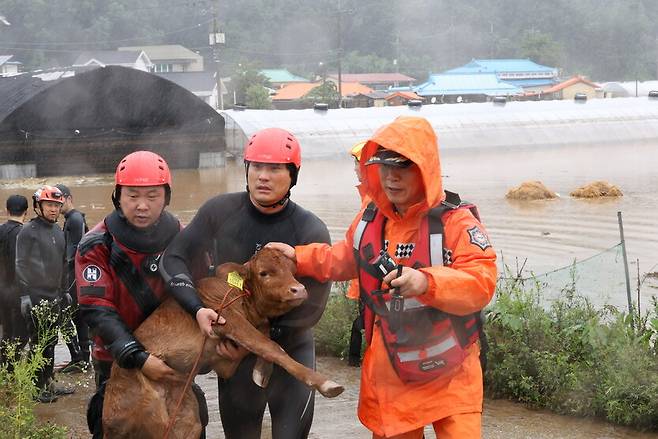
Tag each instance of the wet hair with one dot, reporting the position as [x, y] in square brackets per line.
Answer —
[66, 192]
[16, 205]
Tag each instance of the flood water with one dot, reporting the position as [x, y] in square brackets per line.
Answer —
[548, 234]
[545, 234]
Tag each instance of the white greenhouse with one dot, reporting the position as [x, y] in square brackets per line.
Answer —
[330, 133]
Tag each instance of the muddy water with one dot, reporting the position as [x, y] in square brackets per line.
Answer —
[549, 234]
[336, 418]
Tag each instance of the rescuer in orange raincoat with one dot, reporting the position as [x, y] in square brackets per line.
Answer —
[402, 175]
[356, 339]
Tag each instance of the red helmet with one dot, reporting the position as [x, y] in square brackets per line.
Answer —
[273, 145]
[48, 193]
[142, 168]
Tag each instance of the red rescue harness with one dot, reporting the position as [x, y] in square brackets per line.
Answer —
[423, 343]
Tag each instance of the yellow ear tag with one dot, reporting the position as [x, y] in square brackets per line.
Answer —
[235, 280]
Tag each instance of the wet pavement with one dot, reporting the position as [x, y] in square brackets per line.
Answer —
[336, 418]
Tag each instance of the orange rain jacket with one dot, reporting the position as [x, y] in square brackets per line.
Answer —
[353, 289]
[387, 406]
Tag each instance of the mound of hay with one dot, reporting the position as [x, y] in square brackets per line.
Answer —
[530, 190]
[597, 189]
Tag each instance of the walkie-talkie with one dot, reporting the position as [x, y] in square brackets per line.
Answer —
[397, 306]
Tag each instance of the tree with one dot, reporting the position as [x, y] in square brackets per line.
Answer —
[356, 62]
[243, 77]
[326, 93]
[258, 97]
[540, 47]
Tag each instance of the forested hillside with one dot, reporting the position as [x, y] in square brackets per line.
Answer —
[605, 39]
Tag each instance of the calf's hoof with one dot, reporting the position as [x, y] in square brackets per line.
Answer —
[330, 389]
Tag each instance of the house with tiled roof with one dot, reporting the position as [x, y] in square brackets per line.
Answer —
[201, 84]
[281, 77]
[462, 87]
[376, 81]
[401, 98]
[522, 73]
[376, 98]
[168, 58]
[132, 59]
[293, 95]
[294, 91]
[572, 86]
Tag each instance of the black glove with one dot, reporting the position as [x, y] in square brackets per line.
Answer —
[66, 300]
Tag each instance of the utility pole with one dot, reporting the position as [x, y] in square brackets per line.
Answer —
[215, 39]
[340, 56]
[396, 61]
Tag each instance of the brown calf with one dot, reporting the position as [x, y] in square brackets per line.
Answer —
[135, 406]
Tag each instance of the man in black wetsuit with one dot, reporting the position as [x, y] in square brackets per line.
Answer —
[75, 227]
[13, 325]
[232, 227]
[39, 264]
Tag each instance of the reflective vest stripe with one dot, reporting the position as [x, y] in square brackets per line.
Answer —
[436, 249]
[430, 351]
[358, 233]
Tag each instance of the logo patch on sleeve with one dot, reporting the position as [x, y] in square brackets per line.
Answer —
[479, 238]
[91, 273]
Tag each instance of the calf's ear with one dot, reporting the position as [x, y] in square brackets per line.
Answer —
[223, 270]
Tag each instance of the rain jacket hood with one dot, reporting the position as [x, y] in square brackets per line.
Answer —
[414, 138]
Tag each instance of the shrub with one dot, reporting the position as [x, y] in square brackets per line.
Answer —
[332, 333]
[572, 358]
[17, 387]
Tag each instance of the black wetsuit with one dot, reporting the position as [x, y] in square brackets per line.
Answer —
[75, 227]
[232, 229]
[13, 324]
[39, 265]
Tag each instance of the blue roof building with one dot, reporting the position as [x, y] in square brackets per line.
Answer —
[522, 73]
[476, 87]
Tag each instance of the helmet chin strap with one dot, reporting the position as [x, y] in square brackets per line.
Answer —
[40, 214]
[281, 202]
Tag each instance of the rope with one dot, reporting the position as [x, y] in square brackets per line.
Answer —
[192, 374]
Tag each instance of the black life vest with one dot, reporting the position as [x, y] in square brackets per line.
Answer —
[423, 343]
[7, 265]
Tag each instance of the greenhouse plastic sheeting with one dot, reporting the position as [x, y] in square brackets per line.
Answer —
[325, 134]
